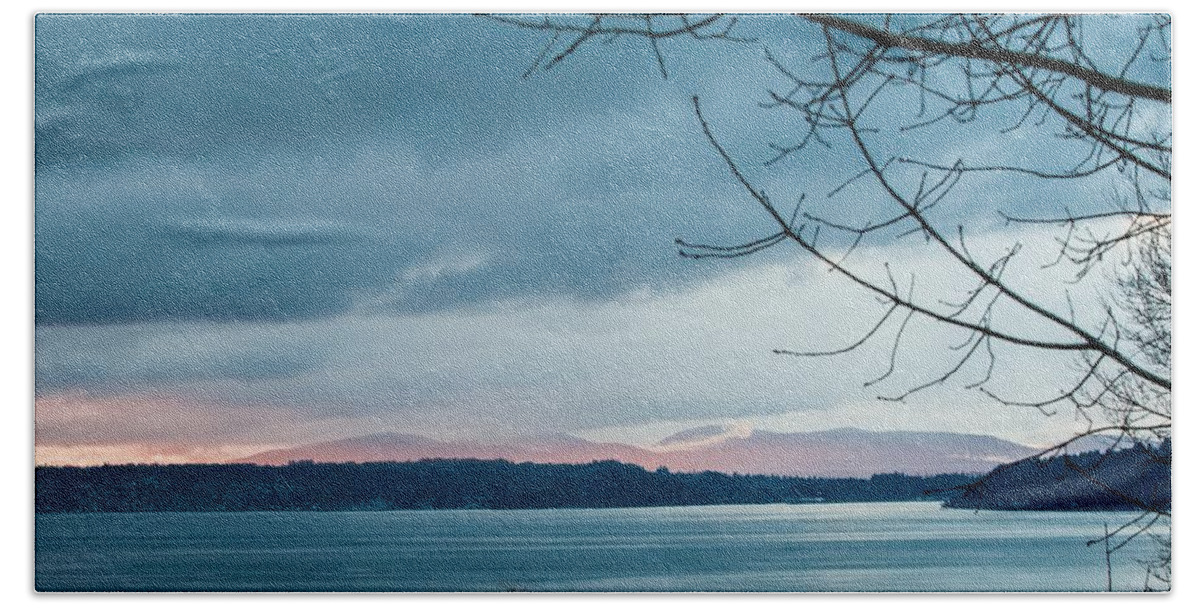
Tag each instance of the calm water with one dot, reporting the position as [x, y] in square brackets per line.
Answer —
[819, 547]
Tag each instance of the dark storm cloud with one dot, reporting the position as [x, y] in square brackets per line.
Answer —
[117, 359]
[294, 167]
[203, 86]
[285, 167]
[289, 167]
[113, 269]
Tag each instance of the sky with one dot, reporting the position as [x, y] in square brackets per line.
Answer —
[255, 232]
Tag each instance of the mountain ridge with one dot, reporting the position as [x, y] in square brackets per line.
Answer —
[841, 452]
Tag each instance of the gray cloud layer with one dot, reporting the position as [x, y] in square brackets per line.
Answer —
[225, 167]
[281, 167]
[351, 215]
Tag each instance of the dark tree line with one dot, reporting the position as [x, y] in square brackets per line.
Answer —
[1136, 478]
[444, 484]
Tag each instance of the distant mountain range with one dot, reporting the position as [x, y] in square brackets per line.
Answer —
[845, 452]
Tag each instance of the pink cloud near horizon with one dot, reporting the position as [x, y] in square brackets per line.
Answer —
[81, 429]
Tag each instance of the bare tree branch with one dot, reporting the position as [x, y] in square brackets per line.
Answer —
[974, 49]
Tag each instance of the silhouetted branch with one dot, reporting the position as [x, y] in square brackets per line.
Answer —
[974, 49]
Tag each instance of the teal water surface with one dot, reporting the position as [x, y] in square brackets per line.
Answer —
[914, 546]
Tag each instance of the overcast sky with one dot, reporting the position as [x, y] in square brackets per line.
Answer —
[258, 231]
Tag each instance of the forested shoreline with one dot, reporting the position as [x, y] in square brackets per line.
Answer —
[1135, 478]
[446, 484]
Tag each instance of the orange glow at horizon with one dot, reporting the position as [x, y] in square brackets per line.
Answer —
[84, 430]
[141, 453]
